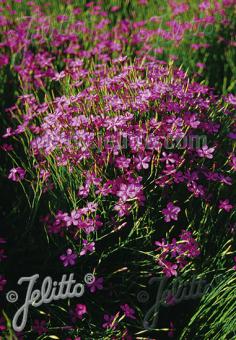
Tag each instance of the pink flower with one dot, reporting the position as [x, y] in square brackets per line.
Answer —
[225, 205]
[201, 65]
[80, 310]
[233, 161]
[97, 284]
[142, 162]
[206, 152]
[87, 247]
[122, 208]
[204, 5]
[231, 99]
[83, 191]
[123, 162]
[7, 147]
[16, 174]
[171, 212]
[69, 258]
[169, 269]
[73, 219]
[109, 321]
[115, 8]
[129, 312]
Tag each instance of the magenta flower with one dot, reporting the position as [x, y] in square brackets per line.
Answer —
[109, 322]
[69, 258]
[129, 312]
[171, 212]
[7, 147]
[130, 191]
[80, 310]
[87, 247]
[123, 162]
[16, 174]
[96, 285]
[122, 208]
[142, 162]
[231, 99]
[201, 65]
[225, 205]
[233, 162]
[186, 248]
[73, 219]
[83, 191]
[206, 152]
[169, 269]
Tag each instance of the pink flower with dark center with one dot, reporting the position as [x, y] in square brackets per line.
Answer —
[16, 174]
[171, 212]
[69, 258]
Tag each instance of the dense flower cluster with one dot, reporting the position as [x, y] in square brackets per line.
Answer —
[123, 128]
[178, 251]
[44, 53]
